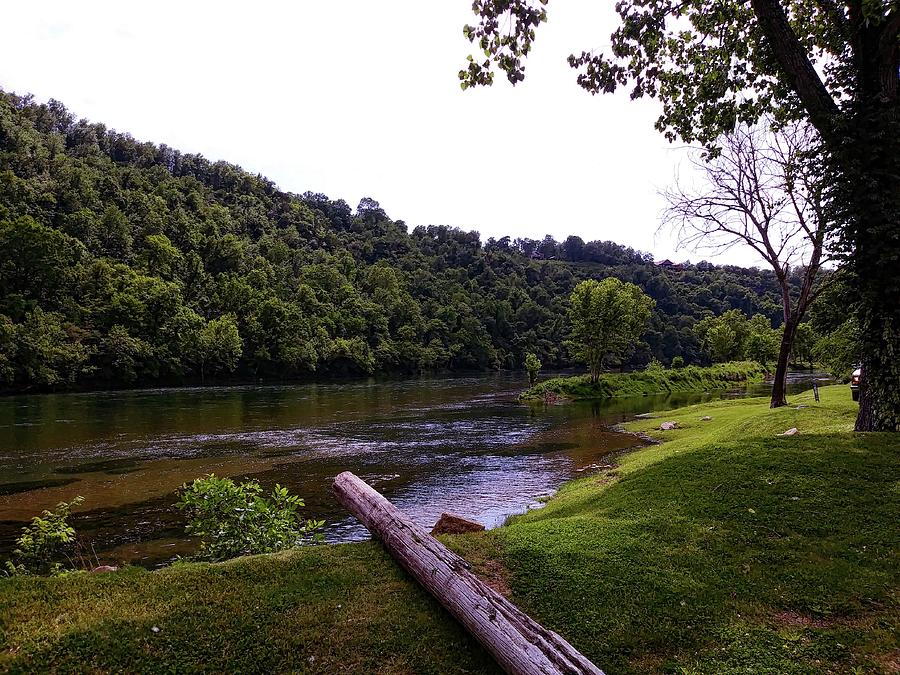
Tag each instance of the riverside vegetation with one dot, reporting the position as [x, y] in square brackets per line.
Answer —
[125, 263]
[652, 380]
[727, 548]
[227, 519]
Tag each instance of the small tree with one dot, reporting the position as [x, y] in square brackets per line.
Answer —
[762, 347]
[233, 519]
[533, 366]
[804, 344]
[720, 340]
[724, 345]
[607, 317]
[220, 345]
[45, 542]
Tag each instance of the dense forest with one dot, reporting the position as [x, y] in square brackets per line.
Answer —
[124, 262]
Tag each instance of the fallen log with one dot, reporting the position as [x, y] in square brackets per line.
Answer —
[518, 643]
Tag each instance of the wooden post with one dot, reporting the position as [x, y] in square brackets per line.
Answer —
[519, 644]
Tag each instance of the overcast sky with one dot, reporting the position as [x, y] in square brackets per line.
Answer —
[357, 98]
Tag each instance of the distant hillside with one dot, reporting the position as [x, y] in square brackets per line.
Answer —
[124, 262]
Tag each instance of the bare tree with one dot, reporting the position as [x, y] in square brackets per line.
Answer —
[761, 191]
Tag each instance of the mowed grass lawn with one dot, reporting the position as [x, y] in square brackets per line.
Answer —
[725, 549]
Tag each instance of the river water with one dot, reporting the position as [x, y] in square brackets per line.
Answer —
[461, 444]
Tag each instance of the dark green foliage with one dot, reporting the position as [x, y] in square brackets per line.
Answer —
[45, 543]
[833, 319]
[838, 351]
[732, 336]
[233, 519]
[608, 317]
[533, 366]
[804, 345]
[124, 262]
[865, 201]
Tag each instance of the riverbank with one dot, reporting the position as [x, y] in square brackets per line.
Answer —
[726, 548]
[646, 382]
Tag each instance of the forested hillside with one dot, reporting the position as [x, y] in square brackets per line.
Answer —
[124, 262]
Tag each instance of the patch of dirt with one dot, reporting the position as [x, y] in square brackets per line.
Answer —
[495, 575]
[647, 663]
[608, 477]
[890, 663]
[450, 523]
[794, 619]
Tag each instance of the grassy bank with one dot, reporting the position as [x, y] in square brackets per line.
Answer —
[725, 549]
[690, 378]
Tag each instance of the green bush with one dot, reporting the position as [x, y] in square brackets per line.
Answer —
[678, 362]
[233, 519]
[42, 545]
[533, 366]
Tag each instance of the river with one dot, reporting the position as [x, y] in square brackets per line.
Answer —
[461, 444]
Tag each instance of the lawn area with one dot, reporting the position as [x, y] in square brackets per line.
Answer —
[725, 549]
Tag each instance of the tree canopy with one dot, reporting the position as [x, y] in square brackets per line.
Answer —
[714, 63]
[124, 262]
[608, 318]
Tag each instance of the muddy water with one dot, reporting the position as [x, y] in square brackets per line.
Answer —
[431, 445]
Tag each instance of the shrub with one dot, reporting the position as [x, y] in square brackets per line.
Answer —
[42, 545]
[233, 519]
[678, 362]
[654, 367]
[533, 366]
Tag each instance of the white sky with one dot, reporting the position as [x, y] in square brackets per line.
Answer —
[358, 98]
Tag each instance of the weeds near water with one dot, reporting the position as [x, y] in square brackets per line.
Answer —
[234, 519]
[44, 542]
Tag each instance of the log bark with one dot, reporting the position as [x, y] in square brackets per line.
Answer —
[519, 644]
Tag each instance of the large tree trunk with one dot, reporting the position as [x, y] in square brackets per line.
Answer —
[868, 206]
[879, 391]
[518, 643]
[779, 385]
[870, 171]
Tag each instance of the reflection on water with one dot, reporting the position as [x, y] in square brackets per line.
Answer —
[430, 445]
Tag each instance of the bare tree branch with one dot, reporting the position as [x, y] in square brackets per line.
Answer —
[763, 191]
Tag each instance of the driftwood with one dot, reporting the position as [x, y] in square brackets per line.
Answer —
[519, 644]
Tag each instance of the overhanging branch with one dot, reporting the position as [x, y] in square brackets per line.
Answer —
[795, 64]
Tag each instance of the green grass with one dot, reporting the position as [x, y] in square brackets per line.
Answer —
[610, 385]
[333, 609]
[726, 549]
